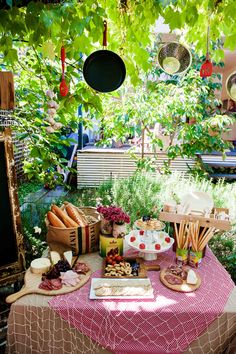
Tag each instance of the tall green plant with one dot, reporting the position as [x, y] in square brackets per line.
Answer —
[185, 108]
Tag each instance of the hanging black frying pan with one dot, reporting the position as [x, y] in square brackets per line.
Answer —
[104, 70]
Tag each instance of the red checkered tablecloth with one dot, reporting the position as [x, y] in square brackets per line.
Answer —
[168, 323]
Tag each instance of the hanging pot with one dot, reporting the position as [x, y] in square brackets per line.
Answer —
[174, 58]
[206, 68]
[231, 86]
[104, 70]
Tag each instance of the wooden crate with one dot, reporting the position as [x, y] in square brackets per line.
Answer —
[203, 221]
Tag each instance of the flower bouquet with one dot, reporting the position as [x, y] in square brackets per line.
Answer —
[113, 221]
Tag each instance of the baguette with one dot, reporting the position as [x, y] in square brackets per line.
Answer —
[63, 216]
[74, 214]
[79, 212]
[54, 220]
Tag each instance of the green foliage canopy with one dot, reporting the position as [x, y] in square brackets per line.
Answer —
[31, 37]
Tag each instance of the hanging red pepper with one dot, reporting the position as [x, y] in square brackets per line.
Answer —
[63, 86]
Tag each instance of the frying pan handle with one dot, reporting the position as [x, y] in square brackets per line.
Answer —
[104, 43]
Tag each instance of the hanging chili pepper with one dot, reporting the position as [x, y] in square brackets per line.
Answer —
[63, 86]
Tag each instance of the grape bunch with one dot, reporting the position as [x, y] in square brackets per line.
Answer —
[54, 272]
[135, 269]
[63, 265]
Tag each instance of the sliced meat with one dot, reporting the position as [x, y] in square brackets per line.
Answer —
[184, 274]
[173, 280]
[70, 278]
[81, 268]
[178, 271]
[56, 284]
[50, 284]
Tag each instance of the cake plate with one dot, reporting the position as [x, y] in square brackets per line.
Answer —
[145, 242]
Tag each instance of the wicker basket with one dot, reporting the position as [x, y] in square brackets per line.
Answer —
[80, 240]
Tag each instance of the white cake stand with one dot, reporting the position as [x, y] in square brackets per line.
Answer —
[149, 239]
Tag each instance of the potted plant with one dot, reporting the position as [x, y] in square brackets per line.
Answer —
[113, 221]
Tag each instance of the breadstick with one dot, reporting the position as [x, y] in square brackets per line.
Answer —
[202, 233]
[193, 239]
[63, 216]
[209, 231]
[181, 233]
[209, 234]
[177, 235]
[54, 220]
[205, 241]
[186, 243]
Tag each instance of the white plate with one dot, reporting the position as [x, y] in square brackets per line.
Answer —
[196, 203]
[126, 282]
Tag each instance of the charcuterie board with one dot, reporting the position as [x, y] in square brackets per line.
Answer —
[32, 282]
[184, 287]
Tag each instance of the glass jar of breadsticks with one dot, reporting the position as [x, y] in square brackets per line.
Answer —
[198, 238]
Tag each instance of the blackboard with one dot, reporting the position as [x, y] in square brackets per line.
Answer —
[8, 245]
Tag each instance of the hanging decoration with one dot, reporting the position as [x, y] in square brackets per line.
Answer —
[52, 110]
[206, 68]
[63, 86]
[104, 70]
[174, 58]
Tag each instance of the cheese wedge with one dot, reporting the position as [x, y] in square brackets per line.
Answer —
[68, 256]
[55, 257]
[191, 277]
[40, 265]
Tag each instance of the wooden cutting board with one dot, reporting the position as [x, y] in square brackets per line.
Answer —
[185, 288]
[142, 272]
[32, 282]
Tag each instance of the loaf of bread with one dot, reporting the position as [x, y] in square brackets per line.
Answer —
[82, 215]
[63, 216]
[74, 214]
[54, 220]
